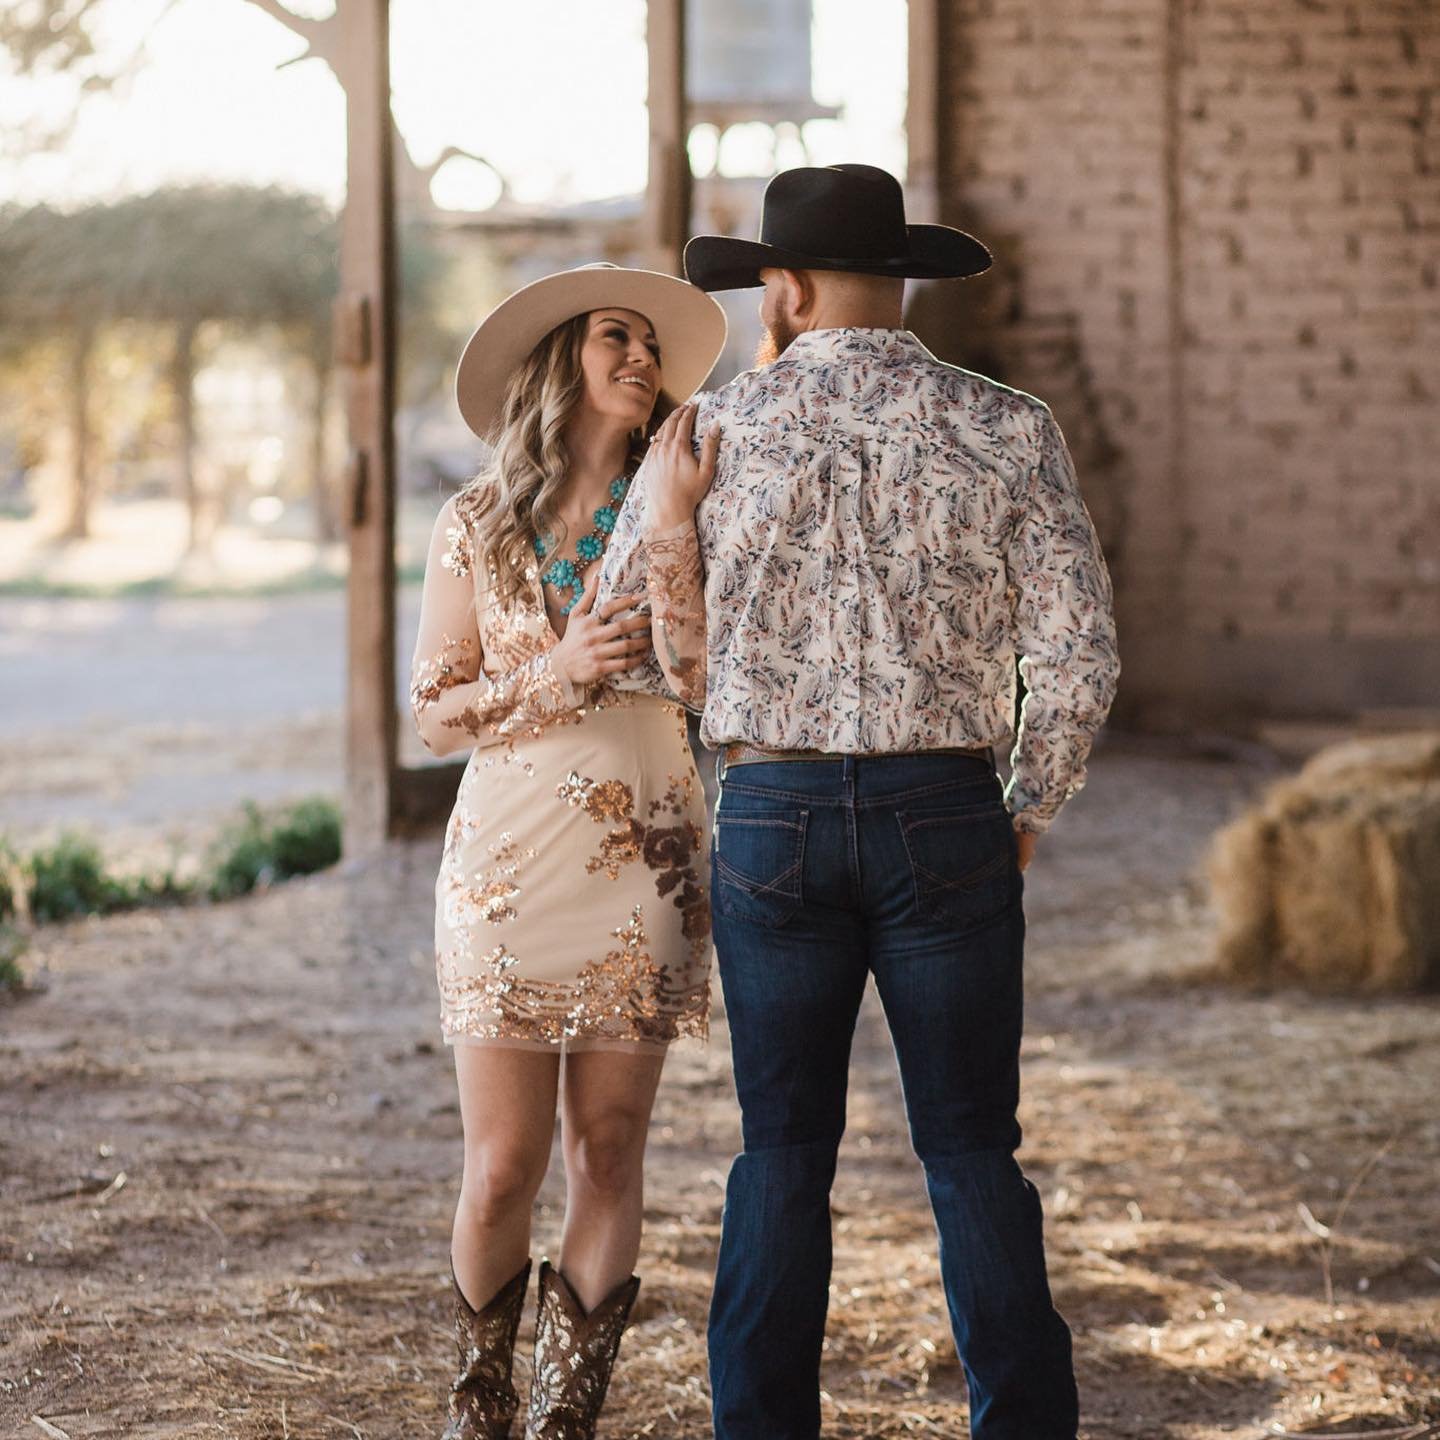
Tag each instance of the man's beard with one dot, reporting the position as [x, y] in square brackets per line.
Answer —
[773, 343]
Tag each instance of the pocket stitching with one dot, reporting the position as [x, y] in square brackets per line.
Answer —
[971, 881]
[910, 821]
[769, 890]
[921, 791]
[776, 821]
[927, 896]
[750, 887]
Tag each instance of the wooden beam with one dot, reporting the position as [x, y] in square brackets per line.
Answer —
[365, 351]
[667, 195]
[423, 796]
[926, 199]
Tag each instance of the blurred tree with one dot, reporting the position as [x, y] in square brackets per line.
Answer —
[58, 37]
[53, 37]
[177, 257]
[47, 37]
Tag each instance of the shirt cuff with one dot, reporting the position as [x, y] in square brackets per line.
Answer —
[1031, 813]
[1031, 821]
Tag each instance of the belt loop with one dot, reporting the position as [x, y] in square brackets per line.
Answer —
[719, 791]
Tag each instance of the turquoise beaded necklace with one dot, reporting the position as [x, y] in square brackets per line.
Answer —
[562, 574]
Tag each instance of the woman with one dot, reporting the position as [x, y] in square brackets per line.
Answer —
[571, 914]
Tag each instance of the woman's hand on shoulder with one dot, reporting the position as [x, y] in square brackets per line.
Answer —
[676, 481]
[602, 642]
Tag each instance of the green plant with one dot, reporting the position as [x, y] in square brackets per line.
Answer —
[240, 858]
[69, 879]
[166, 888]
[13, 945]
[12, 878]
[306, 837]
[255, 852]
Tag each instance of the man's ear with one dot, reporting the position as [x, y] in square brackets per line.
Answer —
[797, 293]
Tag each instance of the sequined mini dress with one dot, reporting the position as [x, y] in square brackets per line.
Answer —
[571, 911]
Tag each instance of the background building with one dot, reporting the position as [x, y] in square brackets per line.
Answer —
[1218, 227]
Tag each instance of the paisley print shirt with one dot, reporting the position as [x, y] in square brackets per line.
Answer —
[885, 538]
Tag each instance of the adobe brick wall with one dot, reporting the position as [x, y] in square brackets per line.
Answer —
[1219, 230]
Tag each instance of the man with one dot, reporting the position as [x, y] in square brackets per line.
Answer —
[882, 538]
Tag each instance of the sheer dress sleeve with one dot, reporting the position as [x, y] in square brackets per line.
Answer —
[675, 583]
[456, 705]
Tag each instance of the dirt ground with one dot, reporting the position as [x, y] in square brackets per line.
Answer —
[229, 1144]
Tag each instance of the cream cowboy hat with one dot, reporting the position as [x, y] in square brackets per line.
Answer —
[688, 324]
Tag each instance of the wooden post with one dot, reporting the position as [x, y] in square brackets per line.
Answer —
[80, 499]
[365, 351]
[182, 386]
[667, 195]
[925, 200]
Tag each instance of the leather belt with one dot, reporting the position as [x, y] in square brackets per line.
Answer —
[740, 753]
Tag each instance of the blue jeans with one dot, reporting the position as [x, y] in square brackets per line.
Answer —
[824, 872]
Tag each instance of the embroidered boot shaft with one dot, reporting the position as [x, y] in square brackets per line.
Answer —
[483, 1401]
[574, 1355]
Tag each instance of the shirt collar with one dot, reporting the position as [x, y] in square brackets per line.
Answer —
[852, 342]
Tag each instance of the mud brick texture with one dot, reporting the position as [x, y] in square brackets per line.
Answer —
[1218, 231]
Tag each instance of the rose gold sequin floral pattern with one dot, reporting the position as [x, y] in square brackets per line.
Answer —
[459, 556]
[539, 940]
[526, 698]
[454, 665]
[623, 995]
[491, 891]
[669, 850]
[601, 800]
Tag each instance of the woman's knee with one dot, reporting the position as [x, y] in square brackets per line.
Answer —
[607, 1156]
[498, 1180]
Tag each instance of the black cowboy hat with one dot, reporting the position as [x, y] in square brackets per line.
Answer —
[834, 217]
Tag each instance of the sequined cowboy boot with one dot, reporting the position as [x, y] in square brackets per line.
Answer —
[574, 1355]
[483, 1401]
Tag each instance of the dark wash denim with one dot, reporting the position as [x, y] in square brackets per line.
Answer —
[822, 873]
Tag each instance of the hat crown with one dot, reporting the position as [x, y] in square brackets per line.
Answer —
[857, 211]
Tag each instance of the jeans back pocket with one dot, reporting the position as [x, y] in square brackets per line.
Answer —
[963, 864]
[759, 862]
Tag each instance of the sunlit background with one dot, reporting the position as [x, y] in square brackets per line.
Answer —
[552, 93]
[230, 1140]
[523, 149]
[176, 438]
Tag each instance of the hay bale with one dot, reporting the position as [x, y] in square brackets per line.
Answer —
[1333, 881]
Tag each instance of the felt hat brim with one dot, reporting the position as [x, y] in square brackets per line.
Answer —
[689, 326]
[935, 252]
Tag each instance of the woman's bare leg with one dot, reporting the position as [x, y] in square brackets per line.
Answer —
[507, 1106]
[605, 1118]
